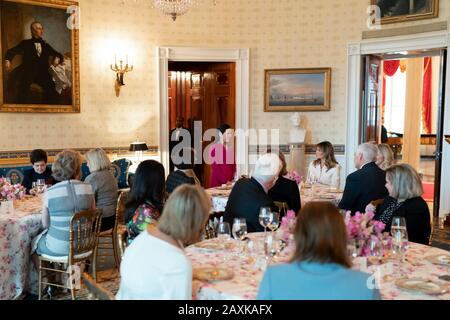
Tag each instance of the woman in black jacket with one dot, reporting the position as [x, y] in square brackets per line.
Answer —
[405, 200]
[286, 190]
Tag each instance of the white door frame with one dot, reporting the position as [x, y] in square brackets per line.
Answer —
[355, 51]
[241, 58]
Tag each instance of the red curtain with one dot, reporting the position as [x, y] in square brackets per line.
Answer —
[426, 95]
[390, 67]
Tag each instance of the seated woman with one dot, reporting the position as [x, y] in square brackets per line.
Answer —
[404, 200]
[221, 155]
[103, 184]
[385, 156]
[38, 159]
[325, 169]
[320, 266]
[285, 190]
[61, 202]
[155, 266]
[146, 197]
[184, 171]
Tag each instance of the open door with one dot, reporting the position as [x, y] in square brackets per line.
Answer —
[371, 101]
[439, 132]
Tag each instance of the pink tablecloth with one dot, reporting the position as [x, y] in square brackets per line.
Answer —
[248, 272]
[17, 229]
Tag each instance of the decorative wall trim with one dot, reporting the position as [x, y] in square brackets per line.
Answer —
[430, 27]
[22, 157]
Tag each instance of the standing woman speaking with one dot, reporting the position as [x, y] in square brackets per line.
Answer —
[222, 159]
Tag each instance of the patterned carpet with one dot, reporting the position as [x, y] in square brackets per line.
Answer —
[107, 279]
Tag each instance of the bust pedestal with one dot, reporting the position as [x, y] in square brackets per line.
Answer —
[297, 158]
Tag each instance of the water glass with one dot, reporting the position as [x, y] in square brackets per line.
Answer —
[270, 247]
[223, 231]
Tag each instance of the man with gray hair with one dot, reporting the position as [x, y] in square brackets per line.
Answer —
[365, 184]
[249, 195]
[34, 70]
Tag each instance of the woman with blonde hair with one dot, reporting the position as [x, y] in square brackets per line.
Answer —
[325, 169]
[154, 265]
[320, 266]
[405, 200]
[385, 156]
[103, 184]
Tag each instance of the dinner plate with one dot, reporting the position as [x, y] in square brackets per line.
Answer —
[210, 245]
[443, 259]
[212, 274]
[421, 285]
[327, 197]
[335, 191]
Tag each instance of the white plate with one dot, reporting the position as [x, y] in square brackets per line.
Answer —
[421, 285]
[212, 274]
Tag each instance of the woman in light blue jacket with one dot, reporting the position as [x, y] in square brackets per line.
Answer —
[320, 267]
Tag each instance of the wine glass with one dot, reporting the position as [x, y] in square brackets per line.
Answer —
[265, 217]
[399, 237]
[34, 188]
[375, 250]
[40, 185]
[274, 221]
[223, 231]
[239, 229]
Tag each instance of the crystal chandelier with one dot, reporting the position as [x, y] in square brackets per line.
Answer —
[173, 8]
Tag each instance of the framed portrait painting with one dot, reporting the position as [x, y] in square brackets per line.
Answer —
[392, 11]
[40, 62]
[297, 89]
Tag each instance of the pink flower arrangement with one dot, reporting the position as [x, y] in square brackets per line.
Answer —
[10, 191]
[294, 176]
[361, 227]
[287, 225]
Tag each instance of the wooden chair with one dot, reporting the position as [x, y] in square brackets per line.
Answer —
[118, 234]
[283, 208]
[376, 202]
[96, 291]
[83, 234]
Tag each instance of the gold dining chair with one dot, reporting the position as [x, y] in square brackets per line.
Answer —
[117, 235]
[83, 234]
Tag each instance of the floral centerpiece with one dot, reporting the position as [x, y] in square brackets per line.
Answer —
[287, 226]
[10, 191]
[361, 228]
[294, 176]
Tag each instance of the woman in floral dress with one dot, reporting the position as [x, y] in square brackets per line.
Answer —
[146, 199]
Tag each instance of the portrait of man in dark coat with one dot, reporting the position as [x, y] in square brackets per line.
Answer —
[32, 78]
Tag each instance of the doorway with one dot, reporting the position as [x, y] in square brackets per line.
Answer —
[403, 106]
[205, 92]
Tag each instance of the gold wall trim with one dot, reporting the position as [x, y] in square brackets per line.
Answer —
[22, 157]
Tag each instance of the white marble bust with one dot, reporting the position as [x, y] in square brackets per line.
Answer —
[296, 134]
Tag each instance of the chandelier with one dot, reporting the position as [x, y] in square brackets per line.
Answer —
[173, 8]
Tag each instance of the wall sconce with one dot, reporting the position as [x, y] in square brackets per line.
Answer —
[120, 70]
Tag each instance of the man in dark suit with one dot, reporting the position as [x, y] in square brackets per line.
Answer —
[36, 55]
[176, 136]
[365, 184]
[249, 195]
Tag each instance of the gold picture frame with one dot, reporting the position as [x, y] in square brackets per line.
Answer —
[406, 10]
[297, 89]
[55, 89]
